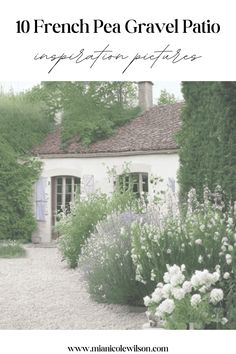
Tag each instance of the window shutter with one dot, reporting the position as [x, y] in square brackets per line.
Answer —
[41, 198]
[88, 184]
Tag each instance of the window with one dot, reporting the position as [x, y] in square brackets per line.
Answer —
[136, 182]
[66, 188]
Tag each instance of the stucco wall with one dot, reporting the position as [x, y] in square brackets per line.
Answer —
[161, 165]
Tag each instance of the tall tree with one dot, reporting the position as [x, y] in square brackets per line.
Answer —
[166, 97]
[90, 109]
[207, 138]
[21, 126]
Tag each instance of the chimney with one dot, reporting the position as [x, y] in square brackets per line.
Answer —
[145, 95]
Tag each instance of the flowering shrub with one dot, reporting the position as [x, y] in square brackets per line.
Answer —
[107, 264]
[201, 238]
[180, 301]
[74, 228]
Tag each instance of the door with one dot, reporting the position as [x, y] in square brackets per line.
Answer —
[64, 191]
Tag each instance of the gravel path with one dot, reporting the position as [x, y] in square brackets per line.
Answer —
[39, 292]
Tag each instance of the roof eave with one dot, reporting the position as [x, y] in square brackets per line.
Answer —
[108, 154]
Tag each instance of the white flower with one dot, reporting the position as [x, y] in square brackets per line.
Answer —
[187, 286]
[195, 281]
[167, 306]
[195, 300]
[202, 227]
[160, 285]
[166, 290]
[224, 240]
[198, 241]
[166, 277]
[223, 248]
[226, 275]
[216, 295]
[215, 277]
[177, 279]
[200, 259]
[157, 295]
[153, 276]
[174, 275]
[182, 268]
[228, 258]
[178, 293]
[168, 251]
[224, 320]
[122, 230]
[230, 248]
[217, 267]
[147, 301]
[203, 289]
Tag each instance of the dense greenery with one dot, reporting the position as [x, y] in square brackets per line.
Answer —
[208, 138]
[21, 126]
[23, 123]
[91, 110]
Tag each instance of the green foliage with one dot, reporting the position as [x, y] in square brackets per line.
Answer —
[11, 249]
[76, 227]
[21, 126]
[166, 97]
[16, 182]
[91, 110]
[207, 138]
[107, 263]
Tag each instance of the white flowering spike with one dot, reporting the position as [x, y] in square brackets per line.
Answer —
[216, 296]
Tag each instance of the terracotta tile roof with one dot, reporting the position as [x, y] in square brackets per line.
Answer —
[154, 130]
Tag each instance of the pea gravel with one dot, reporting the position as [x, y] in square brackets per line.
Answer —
[40, 292]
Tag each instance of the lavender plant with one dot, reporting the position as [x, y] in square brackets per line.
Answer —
[107, 264]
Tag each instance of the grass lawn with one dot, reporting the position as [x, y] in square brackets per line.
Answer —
[11, 249]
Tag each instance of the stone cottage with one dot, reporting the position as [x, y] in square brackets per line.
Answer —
[147, 144]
